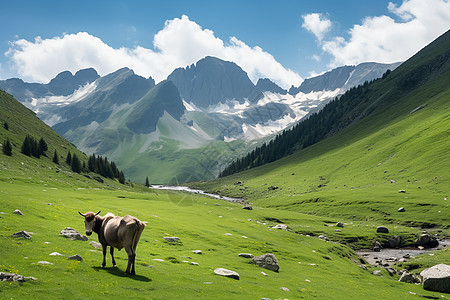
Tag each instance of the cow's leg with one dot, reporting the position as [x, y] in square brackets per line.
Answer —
[104, 256]
[131, 256]
[111, 250]
[132, 263]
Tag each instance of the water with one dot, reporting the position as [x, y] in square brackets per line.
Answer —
[195, 191]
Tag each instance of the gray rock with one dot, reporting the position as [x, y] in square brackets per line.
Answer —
[381, 229]
[247, 207]
[339, 224]
[72, 234]
[14, 277]
[323, 237]
[426, 240]
[96, 245]
[395, 242]
[226, 273]
[272, 187]
[402, 191]
[75, 257]
[401, 209]
[18, 212]
[436, 278]
[56, 254]
[377, 273]
[43, 262]
[280, 226]
[197, 251]
[22, 234]
[377, 246]
[246, 255]
[267, 261]
[172, 239]
[408, 278]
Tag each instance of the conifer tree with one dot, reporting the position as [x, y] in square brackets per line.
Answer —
[7, 148]
[147, 183]
[69, 158]
[5, 125]
[76, 165]
[55, 158]
[121, 177]
[42, 146]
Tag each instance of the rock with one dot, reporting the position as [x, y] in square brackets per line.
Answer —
[377, 246]
[339, 224]
[197, 251]
[238, 182]
[280, 226]
[72, 234]
[14, 277]
[408, 278]
[264, 274]
[323, 237]
[284, 289]
[247, 207]
[246, 255]
[426, 240]
[391, 271]
[22, 234]
[401, 209]
[56, 254]
[99, 179]
[436, 278]
[402, 191]
[392, 181]
[96, 245]
[272, 188]
[43, 262]
[172, 239]
[377, 273]
[226, 273]
[267, 261]
[381, 229]
[395, 242]
[18, 212]
[75, 257]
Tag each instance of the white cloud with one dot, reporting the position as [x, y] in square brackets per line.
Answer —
[384, 39]
[317, 24]
[180, 43]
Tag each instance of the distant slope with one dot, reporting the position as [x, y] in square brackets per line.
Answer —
[353, 106]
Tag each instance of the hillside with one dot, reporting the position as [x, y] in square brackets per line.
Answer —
[49, 198]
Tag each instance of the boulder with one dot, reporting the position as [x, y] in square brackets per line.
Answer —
[197, 251]
[436, 278]
[226, 273]
[381, 229]
[408, 278]
[377, 246]
[96, 245]
[426, 240]
[401, 209]
[246, 255]
[395, 242]
[56, 254]
[18, 212]
[22, 234]
[14, 277]
[247, 207]
[339, 224]
[75, 257]
[172, 239]
[72, 234]
[280, 226]
[267, 261]
[323, 237]
[402, 191]
[272, 187]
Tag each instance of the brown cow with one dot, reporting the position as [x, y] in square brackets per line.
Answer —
[115, 232]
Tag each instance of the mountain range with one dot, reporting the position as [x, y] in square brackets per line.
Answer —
[206, 113]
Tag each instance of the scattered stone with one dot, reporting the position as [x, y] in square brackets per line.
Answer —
[75, 257]
[43, 262]
[172, 239]
[14, 277]
[197, 251]
[391, 271]
[226, 273]
[267, 261]
[228, 234]
[401, 209]
[408, 278]
[426, 240]
[99, 179]
[436, 278]
[247, 207]
[72, 234]
[284, 289]
[96, 245]
[18, 212]
[381, 229]
[323, 237]
[338, 230]
[377, 246]
[246, 255]
[194, 263]
[392, 181]
[395, 242]
[158, 259]
[263, 273]
[22, 234]
[339, 224]
[56, 254]
[272, 188]
[238, 182]
[280, 226]
[402, 191]
[377, 273]
[327, 257]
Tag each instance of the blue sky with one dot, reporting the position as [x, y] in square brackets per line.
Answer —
[286, 41]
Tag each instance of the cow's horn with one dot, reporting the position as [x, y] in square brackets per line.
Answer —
[98, 213]
[82, 214]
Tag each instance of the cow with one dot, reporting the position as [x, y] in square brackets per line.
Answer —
[115, 232]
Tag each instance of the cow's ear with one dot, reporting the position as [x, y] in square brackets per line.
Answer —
[82, 214]
[98, 213]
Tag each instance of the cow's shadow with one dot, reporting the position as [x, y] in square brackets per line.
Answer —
[121, 273]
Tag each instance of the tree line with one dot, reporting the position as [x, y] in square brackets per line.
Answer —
[335, 115]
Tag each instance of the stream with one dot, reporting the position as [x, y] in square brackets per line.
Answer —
[195, 191]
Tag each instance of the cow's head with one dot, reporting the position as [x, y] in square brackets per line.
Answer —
[89, 221]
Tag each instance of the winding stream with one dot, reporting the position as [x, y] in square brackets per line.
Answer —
[195, 191]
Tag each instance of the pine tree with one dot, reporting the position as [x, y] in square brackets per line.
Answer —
[69, 158]
[147, 183]
[5, 125]
[26, 146]
[7, 148]
[42, 146]
[76, 165]
[121, 177]
[55, 158]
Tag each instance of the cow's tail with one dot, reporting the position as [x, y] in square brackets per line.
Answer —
[137, 235]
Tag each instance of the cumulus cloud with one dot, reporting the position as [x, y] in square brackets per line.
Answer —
[317, 24]
[180, 43]
[386, 39]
